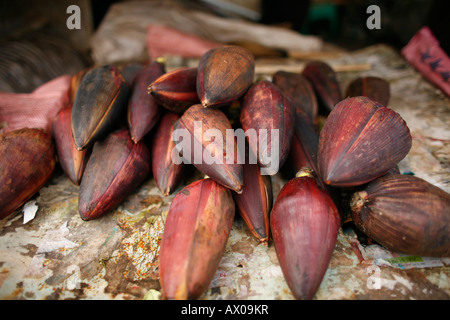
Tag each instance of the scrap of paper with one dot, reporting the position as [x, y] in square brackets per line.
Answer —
[424, 53]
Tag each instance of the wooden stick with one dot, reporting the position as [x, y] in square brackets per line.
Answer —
[271, 69]
[314, 55]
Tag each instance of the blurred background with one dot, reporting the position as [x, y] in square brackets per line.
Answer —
[36, 45]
